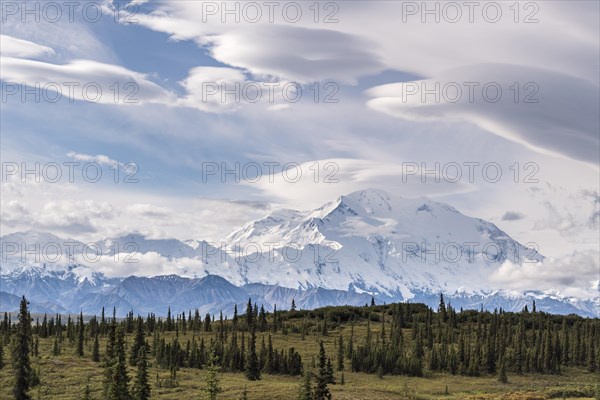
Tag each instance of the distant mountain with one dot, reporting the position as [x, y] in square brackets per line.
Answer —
[373, 242]
[365, 244]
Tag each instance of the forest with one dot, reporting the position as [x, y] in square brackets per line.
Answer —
[395, 351]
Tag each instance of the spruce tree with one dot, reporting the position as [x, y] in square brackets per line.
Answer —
[330, 376]
[212, 379]
[118, 386]
[80, 335]
[269, 362]
[262, 318]
[56, 347]
[20, 354]
[249, 315]
[96, 350]
[442, 308]
[109, 356]
[138, 342]
[321, 391]
[305, 391]
[502, 371]
[252, 368]
[1, 354]
[591, 364]
[141, 386]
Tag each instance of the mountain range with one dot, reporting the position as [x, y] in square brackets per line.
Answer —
[363, 245]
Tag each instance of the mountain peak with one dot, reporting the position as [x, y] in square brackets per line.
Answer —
[369, 201]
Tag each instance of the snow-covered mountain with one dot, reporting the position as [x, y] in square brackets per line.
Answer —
[370, 241]
[365, 244]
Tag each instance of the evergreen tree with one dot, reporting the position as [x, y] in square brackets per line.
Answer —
[207, 322]
[453, 365]
[141, 386]
[502, 371]
[252, 368]
[20, 354]
[305, 391]
[212, 379]
[138, 342]
[591, 364]
[235, 315]
[96, 350]
[1, 354]
[80, 335]
[442, 309]
[262, 319]
[321, 391]
[269, 362]
[293, 308]
[249, 314]
[118, 385]
[109, 355]
[56, 347]
[330, 376]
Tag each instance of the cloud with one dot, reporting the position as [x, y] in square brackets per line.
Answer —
[149, 211]
[579, 213]
[13, 47]
[14, 214]
[99, 159]
[563, 64]
[311, 184]
[574, 275]
[222, 89]
[84, 80]
[74, 216]
[146, 264]
[204, 89]
[546, 111]
[296, 54]
[512, 216]
[277, 49]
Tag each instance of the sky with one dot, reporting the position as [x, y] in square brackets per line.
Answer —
[188, 119]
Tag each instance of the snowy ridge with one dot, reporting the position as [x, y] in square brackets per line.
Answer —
[364, 244]
[371, 241]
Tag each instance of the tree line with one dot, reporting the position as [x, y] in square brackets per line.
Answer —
[395, 339]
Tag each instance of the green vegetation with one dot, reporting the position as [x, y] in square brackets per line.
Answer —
[396, 351]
